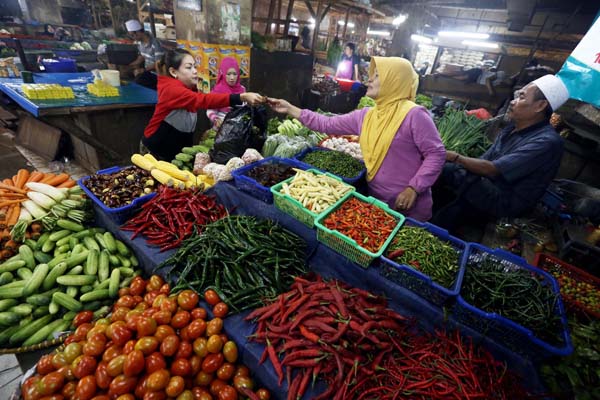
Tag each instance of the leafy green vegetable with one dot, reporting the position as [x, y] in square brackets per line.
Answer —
[365, 101]
[423, 100]
[462, 133]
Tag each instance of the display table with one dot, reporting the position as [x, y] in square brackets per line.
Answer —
[329, 264]
[104, 131]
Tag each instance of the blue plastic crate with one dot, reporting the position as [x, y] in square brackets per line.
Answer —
[350, 180]
[502, 330]
[421, 283]
[120, 214]
[60, 65]
[255, 189]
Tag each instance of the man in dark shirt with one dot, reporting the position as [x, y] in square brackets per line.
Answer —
[509, 178]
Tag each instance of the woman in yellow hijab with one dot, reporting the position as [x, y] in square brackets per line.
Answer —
[400, 144]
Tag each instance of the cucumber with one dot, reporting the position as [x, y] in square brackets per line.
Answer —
[121, 248]
[56, 236]
[29, 329]
[22, 310]
[7, 333]
[57, 260]
[114, 260]
[86, 288]
[24, 273]
[11, 265]
[124, 261]
[101, 312]
[5, 304]
[41, 311]
[95, 295]
[6, 277]
[14, 284]
[83, 233]
[42, 257]
[73, 241]
[126, 272]
[77, 258]
[103, 267]
[76, 270]
[91, 265]
[76, 280]
[113, 286]
[27, 256]
[78, 249]
[62, 249]
[50, 279]
[13, 292]
[39, 299]
[134, 261]
[67, 301]
[41, 334]
[100, 240]
[125, 282]
[48, 246]
[41, 240]
[92, 306]
[102, 285]
[64, 240]
[90, 243]
[53, 307]
[36, 280]
[7, 318]
[70, 225]
[109, 241]
[30, 243]
[72, 291]
[62, 327]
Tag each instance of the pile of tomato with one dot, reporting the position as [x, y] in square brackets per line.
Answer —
[154, 346]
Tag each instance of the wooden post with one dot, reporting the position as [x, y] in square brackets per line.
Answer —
[278, 14]
[317, 26]
[345, 24]
[310, 9]
[112, 15]
[286, 28]
[152, 26]
[270, 17]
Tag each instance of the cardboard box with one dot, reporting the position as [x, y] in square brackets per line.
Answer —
[38, 136]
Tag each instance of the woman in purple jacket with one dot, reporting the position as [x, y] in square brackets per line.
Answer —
[401, 146]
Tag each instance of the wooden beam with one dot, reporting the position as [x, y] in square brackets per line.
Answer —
[317, 26]
[279, 21]
[310, 9]
[279, 8]
[288, 15]
[325, 12]
[345, 24]
[270, 17]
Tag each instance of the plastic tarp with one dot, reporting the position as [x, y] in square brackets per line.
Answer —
[329, 264]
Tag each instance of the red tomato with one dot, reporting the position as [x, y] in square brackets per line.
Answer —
[184, 333]
[196, 328]
[162, 317]
[83, 366]
[211, 297]
[196, 364]
[150, 296]
[95, 345]
[132, 318]
[126, 396]
[175, 386]
[163, 331]
[124, 291]
[129, 346]
[111, 352]
[158, 300]
[214, 344]
[115, 366]
[67, 372]
[155, 362]
[102, 377]
[120, 334]
[126, 301]
[134, 363]
[51, 383]
[44, 366]
[56, 396]
[158, 380]
[220, 309]
[155, 396]
[203, 378]
[82, 317]
[166, 289]
[147, 345]
[97, 329]
[186, 395]
[82, 331]
[30, 389]
[169, 304]
[69, 390]
[121, 385]
[226, 371]
[169, 345]
[188, 299]
[199, 313]
[137, 286]
[72, 351]
[141, 305]
[86, 388]
[201, 394]
[227, 393]
[148, 312]
[185, 350]
[230, 351]
[146, 327]
[142, 387]
[223, 337]
[214, 326]
[242, 382]
[181, 367]
[242, 370]
[212, 362]
[199, 347]
[180, 319]
[216, 386]
[154, 283]
[101, 397]
[119, 314]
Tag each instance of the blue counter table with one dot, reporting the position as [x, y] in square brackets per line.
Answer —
[329, 264]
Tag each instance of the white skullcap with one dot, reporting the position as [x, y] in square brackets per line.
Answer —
[133, 25]
[554, 90]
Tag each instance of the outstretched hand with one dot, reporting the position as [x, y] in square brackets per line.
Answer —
[254, 99]
[283, 107]
[406, 199]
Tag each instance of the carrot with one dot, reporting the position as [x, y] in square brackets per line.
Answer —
[9, 202]
[47, 177]
[14, 180]
[69, 183]
[9, 195]
[35, 176]
[12, 218]
[12, 188]
[57, 180]
[22, 176]
[8, 181]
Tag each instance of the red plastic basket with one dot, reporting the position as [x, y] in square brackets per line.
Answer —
[551, 264]
[345, 84]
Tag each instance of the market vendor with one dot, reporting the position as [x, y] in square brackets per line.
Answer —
[512, 175]
[401, 146]
[144, 66]
[348, 66]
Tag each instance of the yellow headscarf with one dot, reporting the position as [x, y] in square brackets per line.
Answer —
[398, 84]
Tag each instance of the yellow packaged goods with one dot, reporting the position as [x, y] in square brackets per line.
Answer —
[102, 89]
[45, 91]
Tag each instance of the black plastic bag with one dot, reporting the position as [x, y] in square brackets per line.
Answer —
[243, 127]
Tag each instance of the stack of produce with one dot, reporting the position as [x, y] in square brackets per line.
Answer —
[368, 225]
[365, 101]
[421, 250]
[271, 174]
[335, 162]
[219, 172]
[185, 159]
[363, 350]
[169, 174]
[326, 85]
[120, 188]
[171, 350]
[63, 272]
[47, 91]
[462, 133]
[173, 215]
[344, 145]
[290, 138]
[316, 192]
[243, 259]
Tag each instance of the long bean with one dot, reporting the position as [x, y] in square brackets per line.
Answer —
[245, 260]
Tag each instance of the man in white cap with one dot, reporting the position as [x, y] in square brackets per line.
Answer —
[150, 52]
[512, 175]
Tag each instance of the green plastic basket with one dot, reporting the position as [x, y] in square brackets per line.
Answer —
[293, 207]
[347, 246]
